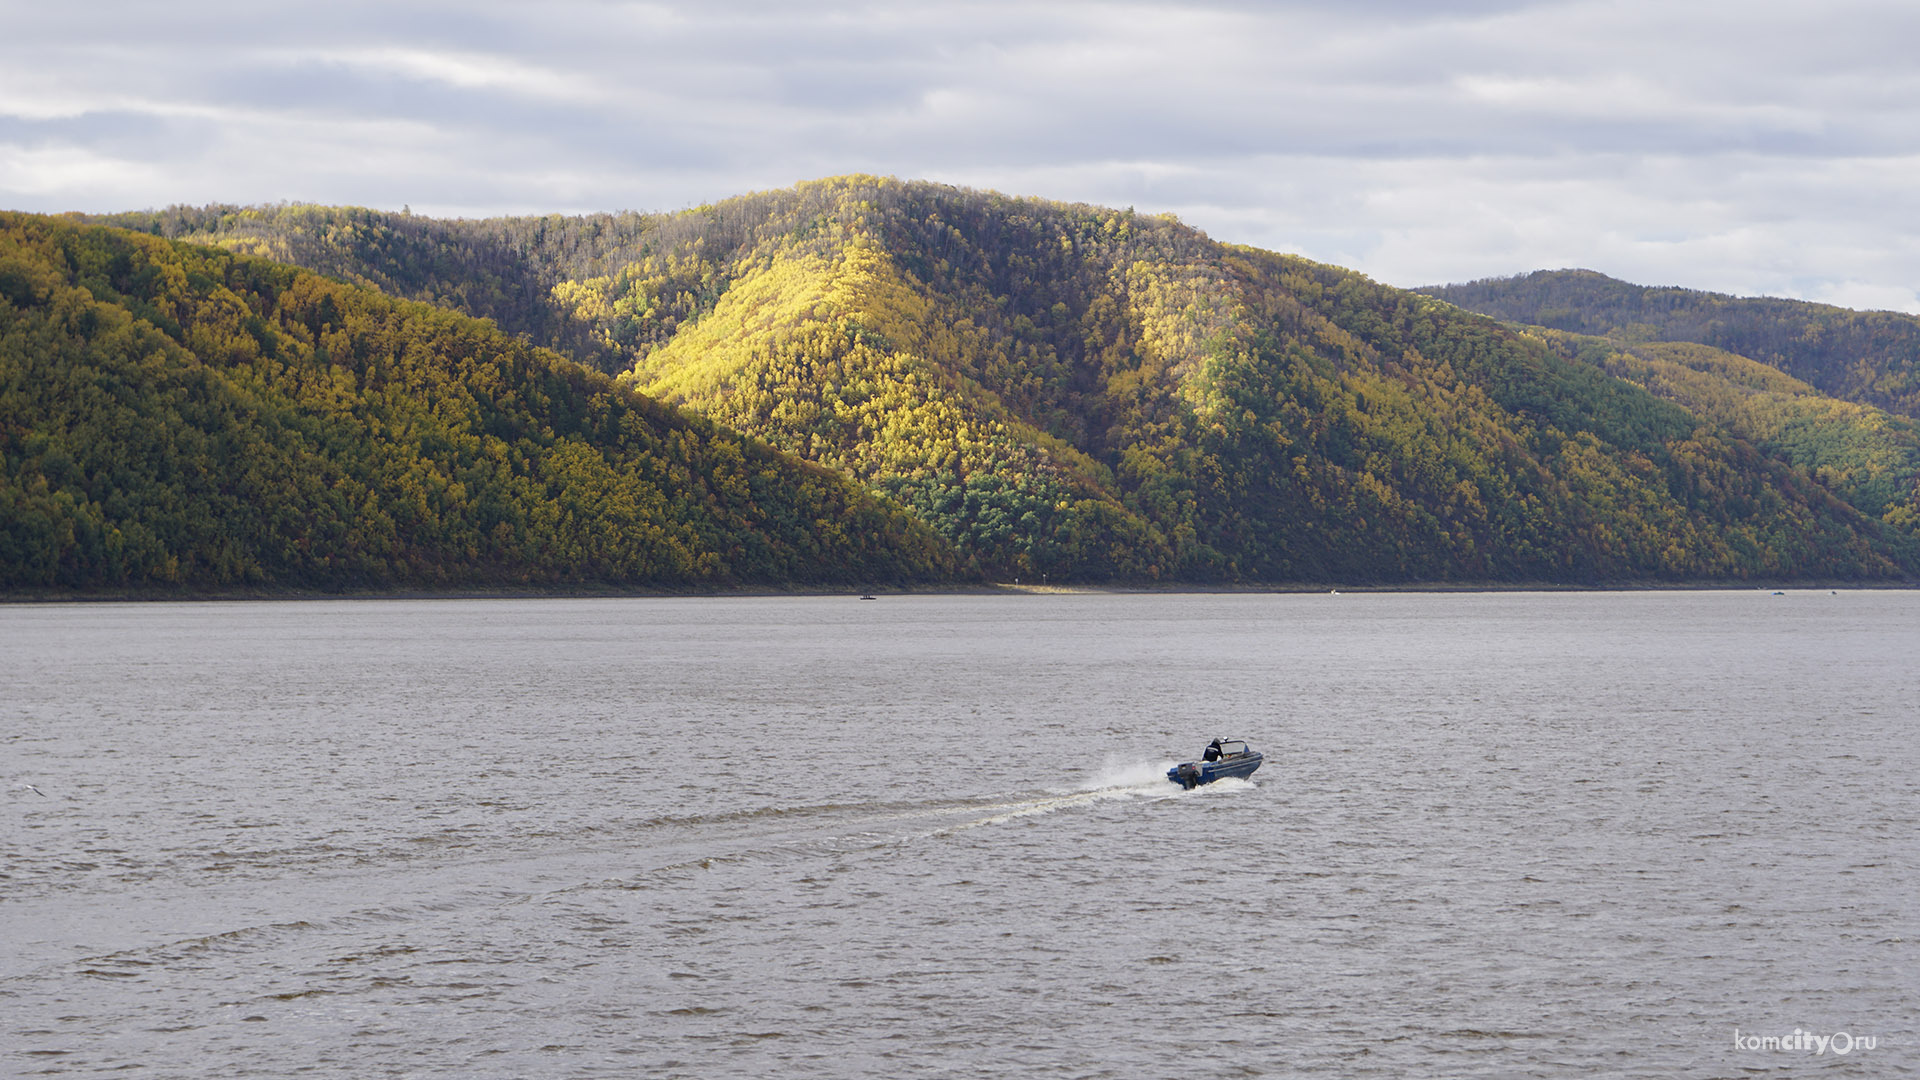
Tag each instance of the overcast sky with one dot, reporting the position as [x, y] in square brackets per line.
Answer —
[1758, 147]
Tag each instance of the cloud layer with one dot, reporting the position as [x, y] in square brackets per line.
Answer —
[1758, 147]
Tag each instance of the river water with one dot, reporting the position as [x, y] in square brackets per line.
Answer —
[1496, 835]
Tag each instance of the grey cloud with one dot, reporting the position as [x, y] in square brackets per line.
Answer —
[1398, 136]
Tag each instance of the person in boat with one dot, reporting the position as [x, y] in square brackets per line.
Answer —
[1213, 751]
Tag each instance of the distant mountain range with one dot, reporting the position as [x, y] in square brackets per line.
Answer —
[1833, 392]
[927, 384]
[1871, 357]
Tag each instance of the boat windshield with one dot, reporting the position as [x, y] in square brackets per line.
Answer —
[1232, 747]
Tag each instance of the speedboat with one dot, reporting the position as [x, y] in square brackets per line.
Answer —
[1224, 758]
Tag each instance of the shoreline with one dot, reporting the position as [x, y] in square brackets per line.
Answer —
[259, 595]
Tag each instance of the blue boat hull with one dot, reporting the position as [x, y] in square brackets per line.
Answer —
[1194, 773]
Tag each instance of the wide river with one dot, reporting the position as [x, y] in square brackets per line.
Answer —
[1671, 834]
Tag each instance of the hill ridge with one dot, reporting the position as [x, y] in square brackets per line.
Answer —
[1095, 395]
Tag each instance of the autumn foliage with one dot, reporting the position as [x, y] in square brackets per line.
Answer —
[1081, 394]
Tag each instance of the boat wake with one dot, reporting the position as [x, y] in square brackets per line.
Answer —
[1148, 779]
[1128, 780]
[1149, 775]
[659, 852]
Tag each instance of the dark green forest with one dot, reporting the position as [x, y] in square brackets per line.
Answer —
[175, 416]
[1081, 394]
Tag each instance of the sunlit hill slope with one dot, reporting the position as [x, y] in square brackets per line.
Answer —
[179, 417]
[1085, 394]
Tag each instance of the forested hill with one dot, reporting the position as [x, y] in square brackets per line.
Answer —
[1083, 394]
[1867, 456]
[1871, 357]
[502, 269]
[173, 416]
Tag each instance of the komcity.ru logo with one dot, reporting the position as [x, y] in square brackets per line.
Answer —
[1839, 1042]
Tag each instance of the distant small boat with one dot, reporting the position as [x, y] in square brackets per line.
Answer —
[869, 598]
[1224, 758]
